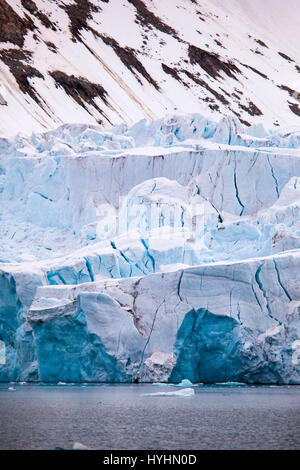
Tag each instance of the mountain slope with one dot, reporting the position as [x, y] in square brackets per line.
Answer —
[119, 61]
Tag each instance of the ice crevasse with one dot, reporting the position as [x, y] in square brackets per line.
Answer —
[165, 251]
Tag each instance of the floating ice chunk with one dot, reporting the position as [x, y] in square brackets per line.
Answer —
[79, 446]
[12, 389]
[185, 383]
[185, 392]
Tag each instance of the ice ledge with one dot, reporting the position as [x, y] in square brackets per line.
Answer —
[242, 314]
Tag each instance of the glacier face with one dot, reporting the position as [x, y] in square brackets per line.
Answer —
[158, 252]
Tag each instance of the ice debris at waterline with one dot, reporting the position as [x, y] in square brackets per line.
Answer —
[231, 384]
[165, 251]
[183, 383]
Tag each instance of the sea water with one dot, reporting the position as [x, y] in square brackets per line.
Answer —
[129, 417]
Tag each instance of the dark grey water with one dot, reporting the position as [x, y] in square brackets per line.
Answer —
[120, 417]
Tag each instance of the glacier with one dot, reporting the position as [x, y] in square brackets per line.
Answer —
[164, 251]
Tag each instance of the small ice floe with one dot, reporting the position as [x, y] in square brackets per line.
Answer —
[79, 446]
[185, 392]
[61, 383]
[185, 383]
[12, 389]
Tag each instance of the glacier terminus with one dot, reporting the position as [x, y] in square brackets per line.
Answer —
[157, 252]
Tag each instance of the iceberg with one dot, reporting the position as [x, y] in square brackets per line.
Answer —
[79, 446]
[185, 383]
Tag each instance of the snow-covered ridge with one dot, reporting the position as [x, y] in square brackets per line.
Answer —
[161, 251]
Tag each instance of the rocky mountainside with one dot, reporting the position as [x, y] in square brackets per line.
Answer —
[112, 61]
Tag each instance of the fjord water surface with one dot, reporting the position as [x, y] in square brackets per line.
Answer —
[122, 417]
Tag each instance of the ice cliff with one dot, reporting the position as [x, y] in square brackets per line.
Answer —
[157, 252]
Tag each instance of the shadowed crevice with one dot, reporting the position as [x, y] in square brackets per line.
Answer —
[207, 348]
